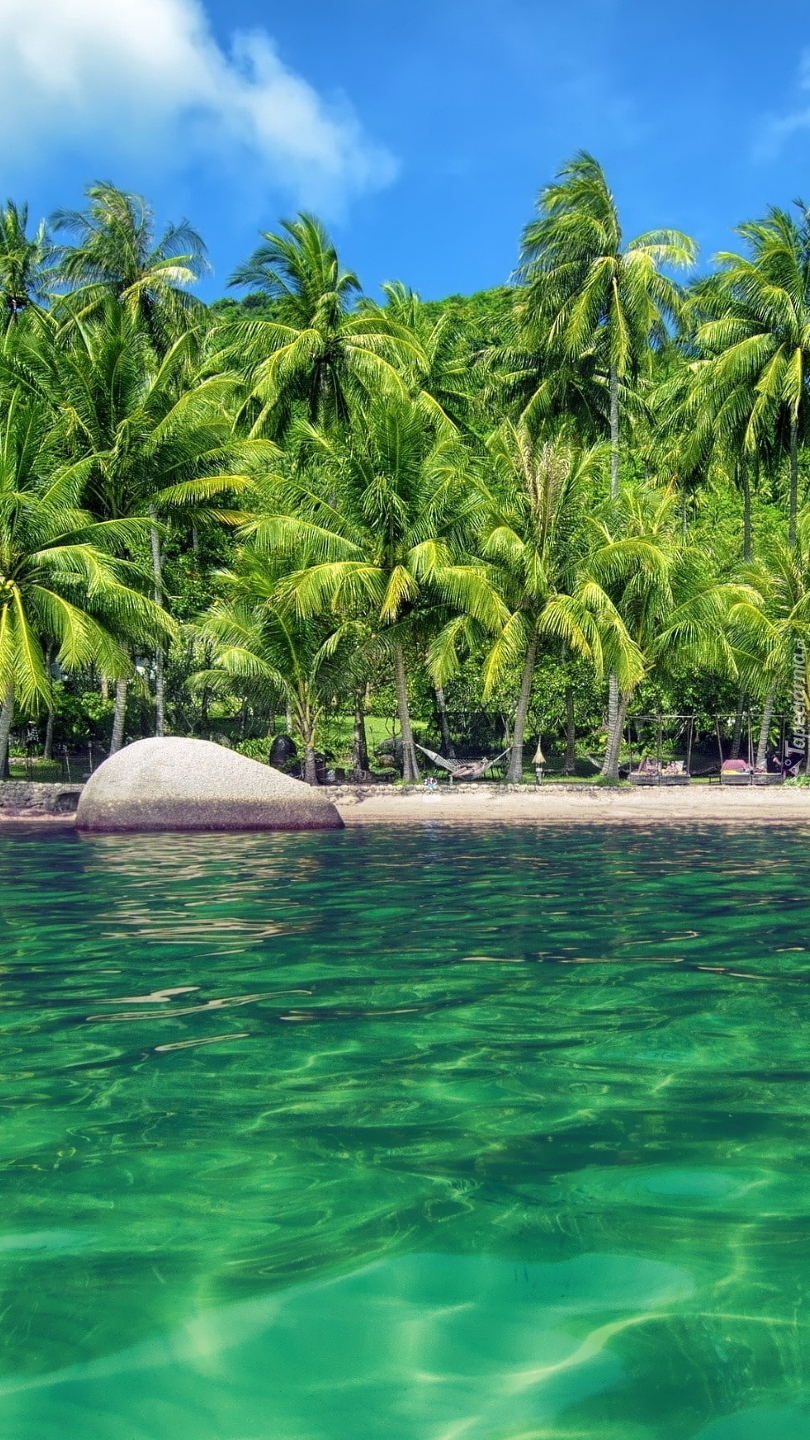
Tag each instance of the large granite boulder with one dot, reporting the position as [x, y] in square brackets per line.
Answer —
[175, 784]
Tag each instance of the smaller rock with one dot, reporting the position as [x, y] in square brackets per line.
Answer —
[282, 751]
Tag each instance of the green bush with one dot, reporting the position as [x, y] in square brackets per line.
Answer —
[256, 749]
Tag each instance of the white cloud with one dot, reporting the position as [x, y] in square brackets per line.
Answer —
[147, 78]
[775, 130]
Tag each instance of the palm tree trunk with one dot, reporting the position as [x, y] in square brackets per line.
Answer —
[47, 749]
[767, 716]
[570, 732]
[613, 690]
[360, 765]
[736, 738]
[160, 690]
[794, 478]
[610, 769]
[307, 723]
[746, 489]
[119, 716]
[612, 718]
[410, 769]
[515, 772]
[6, 722]
[310, 767]
[614, 433]
[441, 710]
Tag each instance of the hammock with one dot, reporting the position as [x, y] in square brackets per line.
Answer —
[463, 769]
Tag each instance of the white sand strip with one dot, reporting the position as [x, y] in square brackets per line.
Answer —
[552, 804]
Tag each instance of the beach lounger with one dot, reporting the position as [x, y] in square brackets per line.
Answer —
[648, 772]
[652, 772]
[736, 772]
[675, 773]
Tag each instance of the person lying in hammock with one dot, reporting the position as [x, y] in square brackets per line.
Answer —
[463, 769]
[471, 769]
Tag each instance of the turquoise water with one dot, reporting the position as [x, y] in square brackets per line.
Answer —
[405, 1135]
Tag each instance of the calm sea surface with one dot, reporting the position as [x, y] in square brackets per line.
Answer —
[405, 1135]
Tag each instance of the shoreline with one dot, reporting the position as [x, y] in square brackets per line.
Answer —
[552, 804]
[549, 804]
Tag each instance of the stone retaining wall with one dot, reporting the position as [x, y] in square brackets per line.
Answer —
[21, 799]
[341, 793]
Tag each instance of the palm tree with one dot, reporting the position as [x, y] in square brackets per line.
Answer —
[25, 263]
[526, 384]
[437, 364]
[665, 589]
[319, 353]
[261, 646]
[374, 527]
[156, 439]
[535, 497]
[116, 251]
[756, 340]
[596, 304]
[702, 436]
[772, 623]
[588, 294]
[60, 584]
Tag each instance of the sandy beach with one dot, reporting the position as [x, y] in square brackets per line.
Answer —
[552, 804]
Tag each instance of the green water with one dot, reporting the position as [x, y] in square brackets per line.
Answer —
[394, 1135]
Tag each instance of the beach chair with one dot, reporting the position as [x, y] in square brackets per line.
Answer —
[648, 772]
[736, 772]
[654, 772]
[675, 773]
[763, 776]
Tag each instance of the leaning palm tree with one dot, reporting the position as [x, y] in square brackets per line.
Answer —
[320, 352]
[61, 588]
[755, 343]
[535, 495]
[26, 269]
[373, 529]
[116, 251]
[588, 294]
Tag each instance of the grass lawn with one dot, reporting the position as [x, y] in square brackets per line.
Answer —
[47, 771]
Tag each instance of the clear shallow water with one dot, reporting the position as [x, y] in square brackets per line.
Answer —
[430, 1135]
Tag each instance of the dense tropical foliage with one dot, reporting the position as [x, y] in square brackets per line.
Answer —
[523, 515]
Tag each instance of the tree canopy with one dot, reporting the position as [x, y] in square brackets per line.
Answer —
[523, 514]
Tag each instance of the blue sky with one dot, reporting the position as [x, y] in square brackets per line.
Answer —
[421, 131]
